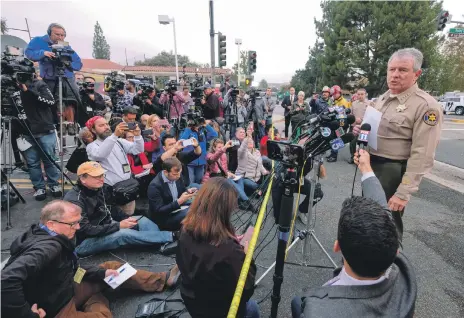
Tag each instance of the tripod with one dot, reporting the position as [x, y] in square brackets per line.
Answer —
[232, 116]
[286, 211]
[9, 186]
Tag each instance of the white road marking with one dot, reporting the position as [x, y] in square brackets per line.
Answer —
[447, 175]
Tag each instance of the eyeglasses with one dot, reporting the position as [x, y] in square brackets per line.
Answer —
[98, 177]
[71, 225]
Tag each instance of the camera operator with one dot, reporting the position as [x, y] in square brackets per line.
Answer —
[37, 101]
[269, 105]
[93, 101]
[188, 99]
[40, 50]
[176, 108]
[210, 103]
[148, 102]
[257, 109]
[120, 102]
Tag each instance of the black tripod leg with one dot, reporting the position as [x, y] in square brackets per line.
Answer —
[4, 177]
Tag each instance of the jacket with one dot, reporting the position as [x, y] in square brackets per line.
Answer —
[96, 217]
[37, 102]
[393, 297]
[286, 102]
[341, 101]
[269, 102]
[210, 274]
[160, 201]
[211, 107]
[321, 105]
[35, 51]
[233, 156]
[258, 110]
[137, 162]
[176, 109]
[250, 165]
[299, 115]
[212, 160]
[93, 106]
[41, 271]
[203, 135]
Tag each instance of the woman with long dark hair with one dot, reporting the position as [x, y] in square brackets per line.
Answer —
[210, 256]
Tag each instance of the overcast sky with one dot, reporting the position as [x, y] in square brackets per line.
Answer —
[280, 31]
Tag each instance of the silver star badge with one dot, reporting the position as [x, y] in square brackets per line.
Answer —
[400, 108]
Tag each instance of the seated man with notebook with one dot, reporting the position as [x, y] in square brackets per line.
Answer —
[43, 276]
[168, 197]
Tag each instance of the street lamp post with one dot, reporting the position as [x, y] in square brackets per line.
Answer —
[164, 19]
[238, 42]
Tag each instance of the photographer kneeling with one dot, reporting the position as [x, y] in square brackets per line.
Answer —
[210, 256]
[376, 280]
[37, 101]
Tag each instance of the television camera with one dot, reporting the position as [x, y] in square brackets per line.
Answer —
[63, 54]
[114, 82]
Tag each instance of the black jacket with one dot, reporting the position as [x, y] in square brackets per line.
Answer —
[41, 271]
[233, 157]
[161, 203]
[98, 104]
[145, 108]
[286, 102]
[321, 105]
[96, 216]
[37, 101]
[211, 107]
[209, 276]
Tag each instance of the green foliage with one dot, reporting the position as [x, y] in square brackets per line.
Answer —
[101, 48]
[4, 26]
[165, 58]
[263, 84]
[359, 38]
[243, 64]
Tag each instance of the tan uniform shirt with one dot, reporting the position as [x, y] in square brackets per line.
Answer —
[358, 109]
[410, 130]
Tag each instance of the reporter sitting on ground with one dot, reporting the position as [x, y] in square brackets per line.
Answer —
[210, 256]
[217, 165]
[250, 165]
[376, 280]
[39, 278]
[173, 148]
[168, 197]
[98, 231]
[203, 132]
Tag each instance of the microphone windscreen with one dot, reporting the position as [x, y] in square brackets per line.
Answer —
[350, 119]
[366, 127]
[347, 138]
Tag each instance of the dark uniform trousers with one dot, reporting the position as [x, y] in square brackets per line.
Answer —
[390, 173]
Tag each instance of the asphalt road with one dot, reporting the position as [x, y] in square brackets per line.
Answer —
[433, 240]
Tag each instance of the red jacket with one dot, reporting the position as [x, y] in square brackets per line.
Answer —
[143, 161]
[211, 164]
[263, 145]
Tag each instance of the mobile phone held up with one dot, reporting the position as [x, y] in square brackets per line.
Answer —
[147, 132]
[131, 126]
[187, 142]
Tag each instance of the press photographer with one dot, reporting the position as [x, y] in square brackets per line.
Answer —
[147, 101]
[92, 101]
[210, 103]
[38, 129]
[173, 99]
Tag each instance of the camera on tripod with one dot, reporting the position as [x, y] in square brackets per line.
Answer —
[114, 82]
[146, 90]
[63, 54]
[171, 87]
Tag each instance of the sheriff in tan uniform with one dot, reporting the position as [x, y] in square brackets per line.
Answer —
[408, 133]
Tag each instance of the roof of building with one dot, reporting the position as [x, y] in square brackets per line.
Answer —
[102, 64]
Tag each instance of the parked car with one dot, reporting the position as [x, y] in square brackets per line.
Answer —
[453, 104]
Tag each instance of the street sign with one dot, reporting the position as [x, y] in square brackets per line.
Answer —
[455, 32]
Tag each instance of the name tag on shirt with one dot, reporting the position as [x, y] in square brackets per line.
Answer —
[79, 275]
[126, 168]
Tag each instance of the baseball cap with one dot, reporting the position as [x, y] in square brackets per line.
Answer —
[326, 89]
[207, 85]
[91, 168]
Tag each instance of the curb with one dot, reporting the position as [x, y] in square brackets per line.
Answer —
[458, 121]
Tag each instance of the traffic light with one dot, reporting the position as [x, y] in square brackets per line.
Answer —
[251, 62]
[442, 19]
[248, 81]
[222, 51]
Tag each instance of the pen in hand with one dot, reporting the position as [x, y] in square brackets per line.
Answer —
[122, 270]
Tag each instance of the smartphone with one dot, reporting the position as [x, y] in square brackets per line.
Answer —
[163, 122]
[131, 126]
[147, 132]
[137, 218]
[235, 142]
[187, 142]
[247, 236]
[192, 190]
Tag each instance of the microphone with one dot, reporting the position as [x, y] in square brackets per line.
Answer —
[350, 119]
[348, 111]
[364, 136]
[347, 138]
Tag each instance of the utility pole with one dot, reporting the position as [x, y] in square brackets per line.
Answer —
[125, 52]
[211, 34]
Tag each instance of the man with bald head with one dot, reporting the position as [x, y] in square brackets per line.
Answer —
[408, 134]
[44, 278]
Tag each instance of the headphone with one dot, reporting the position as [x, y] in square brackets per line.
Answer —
[55, 25]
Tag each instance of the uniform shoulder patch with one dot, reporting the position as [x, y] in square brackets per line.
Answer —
[431, 117]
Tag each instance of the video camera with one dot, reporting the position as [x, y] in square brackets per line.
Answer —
[314, 136]
[114, 82]
[63, 54]
[171, 87]
[146, 89]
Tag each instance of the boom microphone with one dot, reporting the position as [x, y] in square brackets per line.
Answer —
[364, 136]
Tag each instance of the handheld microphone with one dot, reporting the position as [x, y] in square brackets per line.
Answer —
[364, 136]
[348, 111]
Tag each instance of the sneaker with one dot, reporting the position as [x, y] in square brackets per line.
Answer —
[303, 218]
[40, 195]
[331, 159]
[56, 191]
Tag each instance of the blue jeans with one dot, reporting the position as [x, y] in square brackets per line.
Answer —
[33, 157]
[173, 222]
[148, 233]
[252, 309]
[334, 153]
[241, 192]
[196, 173]
[296, 307]
[247, 184]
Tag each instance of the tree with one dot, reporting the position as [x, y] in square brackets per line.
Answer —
[4, 26]
[101, 48]
[263, 84]
[165, 58]
[243, 64]
[359, 38]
